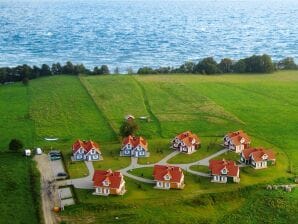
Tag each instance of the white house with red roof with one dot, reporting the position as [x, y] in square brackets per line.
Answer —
[237, 141]
[223, 171]
[167, 177]
[106, 182]
[86, 150]
[186, 142]
[258, 158]
[134, 147]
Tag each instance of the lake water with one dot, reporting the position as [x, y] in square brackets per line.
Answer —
[135, 33]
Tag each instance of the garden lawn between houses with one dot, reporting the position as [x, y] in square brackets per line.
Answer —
[93, 107]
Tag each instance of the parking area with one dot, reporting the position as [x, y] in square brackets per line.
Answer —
[65, 197]
[57, 168]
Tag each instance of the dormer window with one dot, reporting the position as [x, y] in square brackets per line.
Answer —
[81, 151]
[128, 146]
[224, 171]
[105, 183]
[265, 156]
[93, 151]
[167, 177]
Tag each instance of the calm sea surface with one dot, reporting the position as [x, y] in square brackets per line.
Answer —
[134, 33]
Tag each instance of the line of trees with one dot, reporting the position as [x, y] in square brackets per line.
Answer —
[208, 66]
[253, 64]
[26, 72]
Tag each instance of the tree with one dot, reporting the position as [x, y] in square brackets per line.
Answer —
[207, 66]
[239, 66]
[225, 65]
[116, 70]
[187, 67]
[68, 68]
[15, 145]
[45, 70]
[130, 71]
[146, 70]
[56, 69]
[128, 127]
[105, 70]
[25, 81]
[287, 63]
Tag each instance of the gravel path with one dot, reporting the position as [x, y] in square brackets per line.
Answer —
[86, 182]
[49, 194]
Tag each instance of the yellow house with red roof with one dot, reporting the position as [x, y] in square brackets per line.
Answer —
[106, 182]
[237, 141]
[167, 177]
[186, 142]
[258, 158]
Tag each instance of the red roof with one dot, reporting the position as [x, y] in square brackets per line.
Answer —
[258, 154]
[114, 178]
[187, 137]
[236, 136]
[135, 141]
[86, 145]
[160, 171]
[216, 166]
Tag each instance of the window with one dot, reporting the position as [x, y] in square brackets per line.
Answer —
[168, 185]
[95, 156]
[167, 177]
[128, 146]
[107, 191]
[159, 184]
[224, 171]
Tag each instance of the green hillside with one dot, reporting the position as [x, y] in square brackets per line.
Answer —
[93, 107]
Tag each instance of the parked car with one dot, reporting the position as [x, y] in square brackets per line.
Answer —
[55, 157]
[61, 175]
[38, 151]
[54, 153]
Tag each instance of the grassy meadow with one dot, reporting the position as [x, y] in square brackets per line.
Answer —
[93, 107]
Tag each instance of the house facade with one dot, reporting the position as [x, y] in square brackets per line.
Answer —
[237, 141]
[186, 142]
[107, 182]
[168, 177]
[134, 147]
[86, 150]
[223, 171]
[258, 158]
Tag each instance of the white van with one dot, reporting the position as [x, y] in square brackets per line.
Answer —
[38, 151]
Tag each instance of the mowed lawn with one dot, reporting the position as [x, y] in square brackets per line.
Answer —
[15, 120]
[93, 107]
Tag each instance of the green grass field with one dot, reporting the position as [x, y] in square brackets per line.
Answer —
[17, 200]
[93, 107]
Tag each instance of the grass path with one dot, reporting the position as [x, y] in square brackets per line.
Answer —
[97, 105]
[148, 107]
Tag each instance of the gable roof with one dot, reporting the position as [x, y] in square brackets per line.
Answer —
[236, 136]
[135, 141]
[174, 172]
[86, 145]
[187, 137]
[216, 166]
[114, 178]
[257, 154]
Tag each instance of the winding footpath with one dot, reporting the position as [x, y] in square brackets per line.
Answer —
[86, 182]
